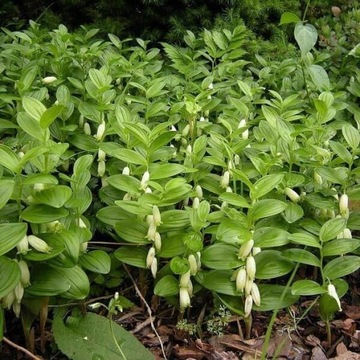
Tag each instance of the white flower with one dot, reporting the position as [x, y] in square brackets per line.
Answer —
[144, 180]
[156, 215]
[100, 131]
[225, 179]
[23, 245]
[150, 257]
[293, 195]
[101, 168]
[211, 86]
[199, 191]
[255, 293]
[241, 280]
[154, 267]
[19, 292]
[248, 306]
[151, 231]
[245, 249]
[101, 155]
[248, 286]
[25, 273]
[184, 298]
[39, 244]
[193, 264]
[184, 279]
[332, 292]
[251, 267]
[126, 171]
[81, 223]
[256, 250]
[157, 241]
[49, 79]
[196, 202]
[344, 206]
[87, 129]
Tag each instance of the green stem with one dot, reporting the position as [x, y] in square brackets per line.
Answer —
[306, 10]
[328, 332]
[248, 325]
[116, 343]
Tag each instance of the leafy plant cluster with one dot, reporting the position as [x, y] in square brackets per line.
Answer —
[207, 169]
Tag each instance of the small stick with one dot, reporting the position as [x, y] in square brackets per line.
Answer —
[148, 310]
[20, 348]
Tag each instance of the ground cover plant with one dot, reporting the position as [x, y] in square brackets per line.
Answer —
[198, 170]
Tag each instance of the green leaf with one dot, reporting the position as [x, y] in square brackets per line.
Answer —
[33, 107]
[340, 247]
[9, 275]
[332, 228]
[134, 207]
[172, 246]
[307, 288]
[218, 281]
[270, 264]
[341, 151]
[341, 267]
[57, 246]
[167, 286]
[289, 18]
[164, 171]
[319, 77]
[234, 199]
[301, 256]
[221, 257]
[6, 190]
[50, 115]
[179, 265]
[32, 127]
[270, 237]
[328, 306]
[306, 37]
[40, 213]
[232, 232]
[11, 235]
[293, 213]
[271, 296]
[110, 215]
[266, 207]
[193, 241]
[304, 239]
[131, 255]
[125, 183]
[129, 156]
[351, 136]
[97, 261]
[8, 158]
[55, 196]
[91, 337]
[265, 184]
[133, 231]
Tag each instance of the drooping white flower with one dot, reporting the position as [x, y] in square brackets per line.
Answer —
[255, 293]
[332, 292]
[49, 79]
[292, 194]
[39, 244]
[248, 306]
[240, 281]
[245, 249]
[184, 298]
[251, 267]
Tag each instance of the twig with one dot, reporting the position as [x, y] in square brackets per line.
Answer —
[20, 348]
[148, 310]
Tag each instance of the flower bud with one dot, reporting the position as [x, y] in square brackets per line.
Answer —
[193, 264]
[199, 191]
[95, 306]
[8, 300]
[101, 155]
[16, 307]
[157, 241]
[229, 189]
[186, 130]
[184, 279]
[248, 286]
[149, 219]
[190, 288]
[225, 179]
[184, 299]
[144, 180]
[245, 134]
[317, 177]
[156, 215]
[126, 171]
[173, 128]
[87, 129]
[101, 168]
[154, 267]
[237, 159]
[81, 223]
[39, 187]
[245, 249]
[39, 244]
[241, 280]
[293, 195]
[332, 292]
[48, 80]
[84, 246]
[19, 292]
[347, 233]
[150, 257]
[148, 190]
[344, 206]
[202, 119]
[211, 86]
[100, 131]
[255, 293]
[25, 273]
[248, 306]
[20, 154]
[242, 123]
[256, 250]
[23, 245]
[151, 232]
[251, 267]
[189, 149]
[196, 202]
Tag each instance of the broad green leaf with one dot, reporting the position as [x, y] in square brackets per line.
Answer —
[50, 115]
[99, 79]
[293, 213]
[8, 158]
[332, 228]
[218, 281]
[275, 297]
[57, 247]
[221, 257]
[328, 306]
[265, 184]
[90, 336]
[174, 220]
[97, 261]
[33, 107]
[9, 275]
[32, 127]
[193, 241]
[40, 213]
[304, 239]
[172, 246]
[133, 231]
[307, 288]
[341, 266]
[132, 255]
[266, 207]
[125, 183]
[129, 156]
[79, 282]
[164, 171]
[167, 286]
[351, 135]
[319, 77]
[268, 237]
[179, 265]
[134, 207]
[234, 199]
[6, 190]
[341, 151]
[10, 235]
[232, 232]
[270, 115]
[55, 196]
[340, 247]
[306, 37]
[270, 264]
[110, 215]
[301, 256]
[289, 18]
